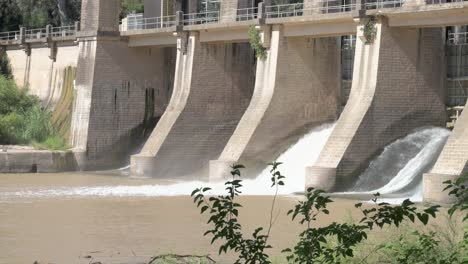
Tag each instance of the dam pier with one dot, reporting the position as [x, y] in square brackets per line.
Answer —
[178, 91]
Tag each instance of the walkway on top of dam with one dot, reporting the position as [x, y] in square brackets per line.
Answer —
[298, 19]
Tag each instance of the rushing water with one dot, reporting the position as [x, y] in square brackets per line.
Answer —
[301, 154]
[398, 170]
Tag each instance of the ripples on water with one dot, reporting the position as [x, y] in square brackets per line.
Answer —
[303, 153]
[397, 171]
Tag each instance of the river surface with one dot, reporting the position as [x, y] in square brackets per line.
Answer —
[113, 218]
[115, 228]
[89, 217]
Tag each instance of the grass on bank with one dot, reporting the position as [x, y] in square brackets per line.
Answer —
[23, 121]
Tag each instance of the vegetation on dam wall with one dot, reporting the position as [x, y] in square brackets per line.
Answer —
[62, 113]
[23, 119]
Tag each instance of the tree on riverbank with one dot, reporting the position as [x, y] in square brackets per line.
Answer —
[38, 13]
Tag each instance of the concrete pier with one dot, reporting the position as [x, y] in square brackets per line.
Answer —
[297, 87]
[213, 87]
[121, 92]
[452, 162]
[397, 87]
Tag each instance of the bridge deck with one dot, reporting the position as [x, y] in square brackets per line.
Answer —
[297, 21]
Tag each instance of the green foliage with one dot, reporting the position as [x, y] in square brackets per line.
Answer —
[314, 246]
[224, 211]
[23, 120]
[39, 13]
[420, 247]
[131, 6]
[370, 30]
[255, 42]
[10, 17]
[458, 189]
[5, 68]
[334, 243]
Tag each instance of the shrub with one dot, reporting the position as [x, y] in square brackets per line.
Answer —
[370, 30]
[23, 120]
[255, 42]
[328, 244]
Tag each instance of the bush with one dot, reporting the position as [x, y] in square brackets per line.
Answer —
[23, 120]
[334, 243]
[255, 42]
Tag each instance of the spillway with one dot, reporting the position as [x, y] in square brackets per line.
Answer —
[397, 171]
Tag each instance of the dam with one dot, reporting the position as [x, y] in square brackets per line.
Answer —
[178, 92]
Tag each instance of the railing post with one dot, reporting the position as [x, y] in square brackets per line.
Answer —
[48, 35]
[22, 37]
[261, 13]
[179, 21]
[360, 11]
[77, 26]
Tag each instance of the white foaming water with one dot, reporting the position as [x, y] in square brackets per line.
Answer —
[412, 156]
[304, 153]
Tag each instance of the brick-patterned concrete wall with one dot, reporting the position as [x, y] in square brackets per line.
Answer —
[312, 7]
[228, 10]
[297, 88]
[454, 156]
[121, 91]
[128, 92]
[397, 87]
[100, 15]
[215, 93]
[452, 162]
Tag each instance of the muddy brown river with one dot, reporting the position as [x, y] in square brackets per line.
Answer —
[80, 218]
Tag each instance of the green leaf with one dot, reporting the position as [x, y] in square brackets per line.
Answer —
[424, 218]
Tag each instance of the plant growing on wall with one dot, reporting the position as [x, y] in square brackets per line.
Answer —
[370, 30]
[255, 42]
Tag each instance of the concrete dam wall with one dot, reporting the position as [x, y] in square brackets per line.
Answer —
[297, 87]
[187, 97]
[397, 87]
[42, 72]
[213, 87]
[122, 93]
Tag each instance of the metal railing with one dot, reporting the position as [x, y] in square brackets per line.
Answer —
[441, 2]
[9, 36]
[36, 33]
[288, 10]
[349, 42]
[245, 14]
[379, 4]
[323, 7]
[64, 31]
[137, 23]
[201, 18]
[457, 38]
